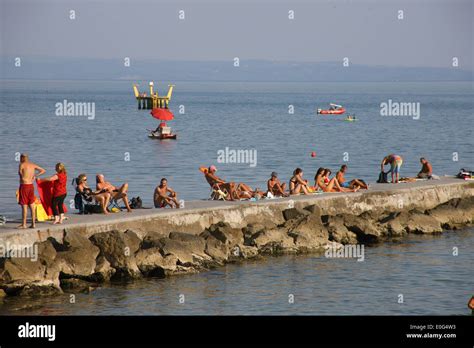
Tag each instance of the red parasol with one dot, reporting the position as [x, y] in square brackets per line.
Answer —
[162, 114]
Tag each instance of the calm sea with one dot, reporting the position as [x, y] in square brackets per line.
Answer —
[237, 116]
[253, 116]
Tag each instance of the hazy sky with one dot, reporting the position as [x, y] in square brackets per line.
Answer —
[367, 32]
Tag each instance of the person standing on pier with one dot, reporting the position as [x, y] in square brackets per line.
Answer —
[395, 162]
[59, 192]
[26, 198]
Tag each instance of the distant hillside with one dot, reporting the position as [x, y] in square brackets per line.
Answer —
[249, 70]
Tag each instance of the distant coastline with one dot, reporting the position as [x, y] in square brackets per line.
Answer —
[249, 71]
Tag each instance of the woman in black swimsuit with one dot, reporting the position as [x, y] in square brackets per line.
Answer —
[297, 183]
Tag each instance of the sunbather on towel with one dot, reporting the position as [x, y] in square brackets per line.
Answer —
[217, 182]
[100, 196]
[275, 187]
[117, 193]
[244, 191]
[165, 195]
[322, 181]
[349, 184]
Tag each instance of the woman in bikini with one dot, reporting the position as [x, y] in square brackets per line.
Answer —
[298, 184]
[100, 196]
[326, 184]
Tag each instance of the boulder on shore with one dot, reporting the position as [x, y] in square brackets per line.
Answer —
[117, 249]
[338, 232]
[309, 234]
[23, 276]
[152, 264]
[412, 222]
[274, 241]
[367, 231]
[295, 213]
[225, 233]
[454, 213]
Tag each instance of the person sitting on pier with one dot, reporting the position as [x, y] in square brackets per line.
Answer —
[322, 181]
[100, 196]
[116, 193]
[165, 196]
[298, 184]
[275, 187]
[426, 171]
[351, 184]
[217, 183]
[395, 162]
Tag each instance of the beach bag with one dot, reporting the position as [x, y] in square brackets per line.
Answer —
[136, 203]
[383, 178]
[78, 203]
[92, 209]
[465, 174]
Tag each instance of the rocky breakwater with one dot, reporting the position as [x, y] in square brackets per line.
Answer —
[80, 264]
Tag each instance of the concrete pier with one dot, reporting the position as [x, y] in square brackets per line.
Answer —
[198, 215]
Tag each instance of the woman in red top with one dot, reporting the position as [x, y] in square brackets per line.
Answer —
[59, 192]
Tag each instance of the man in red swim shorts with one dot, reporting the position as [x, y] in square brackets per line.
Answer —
[27, 172]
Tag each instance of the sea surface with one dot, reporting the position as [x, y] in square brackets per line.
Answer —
[237, 116]
[418, 275]
[253, 116]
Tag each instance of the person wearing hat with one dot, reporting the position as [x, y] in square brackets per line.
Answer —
[216, 182]
[275, 187]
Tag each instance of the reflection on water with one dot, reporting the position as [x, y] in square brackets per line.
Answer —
[422, 268]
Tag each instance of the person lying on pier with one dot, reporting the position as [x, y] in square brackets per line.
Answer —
[322, 181]
[102, 197]
[116, 193]
[349, 184]
[217, 183]
[327, 180]
[298, 184]
[246, 192]
[426, 171]
[275, 187]
[165, 196]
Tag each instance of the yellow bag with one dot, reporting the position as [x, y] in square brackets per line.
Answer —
[40, 212]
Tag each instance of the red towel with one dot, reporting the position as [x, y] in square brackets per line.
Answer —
[45, 193]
